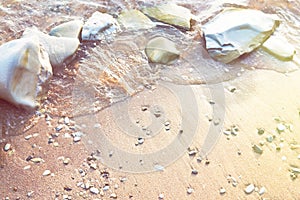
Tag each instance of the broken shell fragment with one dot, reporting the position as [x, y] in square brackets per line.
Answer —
[58, 48]
[70, 29]
[25, 67]
[161, 50]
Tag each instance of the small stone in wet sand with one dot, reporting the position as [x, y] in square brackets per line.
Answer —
[7, 147]
[161, 196]
[190, 190]
[249, 189]
[113, 196]
[262, 190]
[76, 139]
[194, 172]
[222, 190]
[47, 172]
[257, 149]
[94, 190]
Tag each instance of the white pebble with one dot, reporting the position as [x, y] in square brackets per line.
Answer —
[298, 156]
[106, 187]
[27, 167]
[161, 196]
[249, 189]
[94, 190]
[222, 190]
[47, 172]
[280, 127]
[283, 158]
[7, 147]
[190, 190]
[262, 191]
[76, 139]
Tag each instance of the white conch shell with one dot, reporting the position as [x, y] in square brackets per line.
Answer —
[24, 67]
[58, 48]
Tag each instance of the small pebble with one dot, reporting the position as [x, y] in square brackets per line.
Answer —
[113, 196]
[77, 139]
[141, 140]
[280, 128]
[262, 190]
[47, 172]
[28, 137]
[231, 89]
[257, 149]
[94, 190]
[161, 196]
[249, 189]
[283, 158]
[227, 132]
[260, 131]
[7, 147]
[222, 190]
[190, 190]
[194, 172]
[36, 160]
[93, 166]
[66, 161]
[27, 167]
[55, 144]
[59, 127]
[298, 156]
[30, 193]
[67, 120]
[105, 188]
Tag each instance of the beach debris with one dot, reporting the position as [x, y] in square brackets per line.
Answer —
[171, 14]
[135, 20]
[25, 68]
[100, 26]
[279, 47]
[236, 31]
[161, 50]
[70, 29]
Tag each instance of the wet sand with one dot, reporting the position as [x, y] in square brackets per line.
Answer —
[260, 96]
